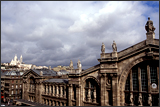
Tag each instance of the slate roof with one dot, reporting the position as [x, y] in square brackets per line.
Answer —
[46, 72]
[56, 81]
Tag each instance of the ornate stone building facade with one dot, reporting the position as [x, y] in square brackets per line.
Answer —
[129, 77]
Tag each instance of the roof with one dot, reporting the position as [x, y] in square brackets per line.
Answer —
[56, 81]
[62, 72]
[3, 73]
[14, 73]
[46, 72]
[30, 103]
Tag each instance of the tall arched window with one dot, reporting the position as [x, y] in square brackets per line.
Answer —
[91, 91]
[137, 82]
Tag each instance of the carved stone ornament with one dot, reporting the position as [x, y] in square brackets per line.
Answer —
[140, 100]
[149, 26]
[150, 100]
[103, 48]
[131, 99]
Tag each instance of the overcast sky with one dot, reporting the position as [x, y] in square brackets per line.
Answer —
[51, 33]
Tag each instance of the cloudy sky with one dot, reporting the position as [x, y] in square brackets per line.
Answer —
[52, 33]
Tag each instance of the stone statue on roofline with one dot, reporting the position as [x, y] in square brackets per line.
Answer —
[103, 48]
[114, 47]
[71, 64]
[149, 26]
[79, 66]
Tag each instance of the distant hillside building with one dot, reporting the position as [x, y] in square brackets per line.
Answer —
[16, 61]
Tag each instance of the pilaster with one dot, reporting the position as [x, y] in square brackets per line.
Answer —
[114, 89]
[77, 95]
[70, 95]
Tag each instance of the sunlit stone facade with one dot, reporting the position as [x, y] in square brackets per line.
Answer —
[129, 77]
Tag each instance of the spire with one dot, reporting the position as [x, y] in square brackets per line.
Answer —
[15, 58]
[21, 60]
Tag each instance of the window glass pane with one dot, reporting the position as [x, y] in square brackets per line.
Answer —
[127, 86]
[92, 85]
[144, 81]
[86, 93]
[92, 96]
[135, 79]
[153, 74]
[87, 84]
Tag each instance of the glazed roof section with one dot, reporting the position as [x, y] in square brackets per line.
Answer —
[56, 81]
[63, 72]
[46, 72]
[18, 73]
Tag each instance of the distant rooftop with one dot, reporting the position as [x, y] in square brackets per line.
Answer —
[46, 72]
[56, 81]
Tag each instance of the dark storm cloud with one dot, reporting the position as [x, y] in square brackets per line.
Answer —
[51, 33]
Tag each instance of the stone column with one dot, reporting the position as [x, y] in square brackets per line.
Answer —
[41, 90]
[57, 103]
[61, 91]
[60, 103]
[54, 103]
[64, 91]
[105, 92]
[49, 103]
[57, 91]
[70, 94]
[64, 103]
[131, 85]
[139, 79]
[89, 95]
[131, 89]
[78, 95]
[50, 89]
[114, 88]
[102, 95]
[53, 90]
[148, 77]
[42, 102]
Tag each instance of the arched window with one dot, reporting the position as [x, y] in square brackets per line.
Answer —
[32, 84]
[91, 90]
[137, 82]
